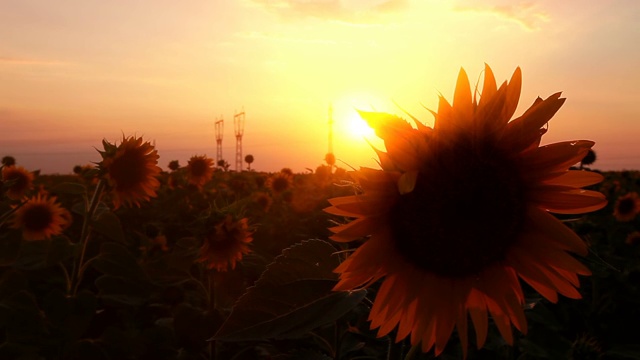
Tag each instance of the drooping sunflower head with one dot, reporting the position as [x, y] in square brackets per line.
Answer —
[226, 244]
[462, 208]
[130, 170]
[199, 170]
[16, 181]
[174, 165]
[8, 160]
[40, 218]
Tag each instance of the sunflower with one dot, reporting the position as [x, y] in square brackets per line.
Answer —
[130, 170]
[460, 211]
[40, 218]
[199, 170]
[18, 181]
[262, 200]
[226, 244]
[280, 182]
[633, 238]
[627, 207]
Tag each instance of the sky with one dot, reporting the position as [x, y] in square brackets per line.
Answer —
[75, 72]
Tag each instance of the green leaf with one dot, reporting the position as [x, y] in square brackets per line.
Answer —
[21, 317]
[293, 296]
[89, 349]
[123, 290]
[299, 354]
[33, 255]
[9, 248]
[193, 326]
[60, 249]
[173, 268]
[69, 188]
[41, 254]
[12, 281]
[115, 260]
[9, 350]
[70, 314]
[108, 224]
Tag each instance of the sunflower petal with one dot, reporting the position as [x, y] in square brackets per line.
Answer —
[577, 201]
[546, 226]
[513, 94]
[549, 160]
[576, 178]
[462, 103]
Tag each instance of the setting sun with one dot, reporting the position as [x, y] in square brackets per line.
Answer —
[359, 128]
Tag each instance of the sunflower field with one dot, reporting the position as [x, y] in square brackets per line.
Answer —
[472, 241]
[146, 290]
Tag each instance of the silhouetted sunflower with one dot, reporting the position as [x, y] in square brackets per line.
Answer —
[17, 180]
[262, 200]
[627, 207]
[460, 211]
[226, 244]
[131, 170]
[280, 182]
[40, 218]
[199, 170]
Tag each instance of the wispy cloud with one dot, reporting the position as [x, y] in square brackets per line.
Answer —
[351, 11]
[526, 14]
[28, 61]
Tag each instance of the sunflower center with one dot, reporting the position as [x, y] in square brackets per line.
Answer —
[199, 168]
[626, 206]
[20, 181]
[38, 218]
[280, 184]
[129, 170]
[464, 212]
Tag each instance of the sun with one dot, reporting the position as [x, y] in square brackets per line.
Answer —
[358, 128]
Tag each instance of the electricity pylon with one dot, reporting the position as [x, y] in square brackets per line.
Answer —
[219, 133]
[238, 124]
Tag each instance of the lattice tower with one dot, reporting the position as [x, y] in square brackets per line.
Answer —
[219, 133]
[238, 124]
[330, 130]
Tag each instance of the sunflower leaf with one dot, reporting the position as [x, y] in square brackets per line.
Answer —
[108, 224]
[114, 259]
[293, 296]
[69, 188]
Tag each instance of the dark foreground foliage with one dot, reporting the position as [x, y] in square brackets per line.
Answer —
[144, 295]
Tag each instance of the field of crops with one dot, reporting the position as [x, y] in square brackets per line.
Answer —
[215, 264]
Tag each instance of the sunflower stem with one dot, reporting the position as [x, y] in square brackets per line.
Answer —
[412, 352]
[12, 211]
[78, 268]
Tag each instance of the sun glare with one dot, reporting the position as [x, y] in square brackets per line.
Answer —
[359, 128]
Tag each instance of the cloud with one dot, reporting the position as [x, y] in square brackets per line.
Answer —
[524, 14]
[26, 61]
[351, 11]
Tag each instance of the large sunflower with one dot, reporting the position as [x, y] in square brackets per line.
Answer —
[226, 244]
[40, 218]
[19, 180]
[199, 170]
[131, 170]
[460, 211]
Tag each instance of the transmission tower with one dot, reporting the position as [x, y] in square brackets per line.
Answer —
[330, 158]
[330, 129]
[219, 132]
[238, 124]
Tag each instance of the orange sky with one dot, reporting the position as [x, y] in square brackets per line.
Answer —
[75, 72]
